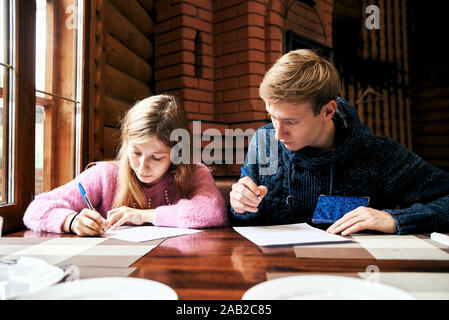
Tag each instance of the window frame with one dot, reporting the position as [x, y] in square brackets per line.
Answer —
[293, 41]
[24, 119]
[60, 154]
[61, 167]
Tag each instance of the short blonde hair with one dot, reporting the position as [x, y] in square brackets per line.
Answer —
[300, 76]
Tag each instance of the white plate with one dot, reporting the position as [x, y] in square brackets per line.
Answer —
[323, 288]
[111, 288]
[26, 276]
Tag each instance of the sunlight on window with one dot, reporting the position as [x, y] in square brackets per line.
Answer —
[58, 86]
[41, 35]
[3, 88]
[1, 134]
[2, 35]
[41, 32]
[2, 59]
[39, 149]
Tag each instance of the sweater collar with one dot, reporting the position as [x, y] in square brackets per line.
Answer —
[165, 183]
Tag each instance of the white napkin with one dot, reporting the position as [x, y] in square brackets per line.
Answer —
[25, 276]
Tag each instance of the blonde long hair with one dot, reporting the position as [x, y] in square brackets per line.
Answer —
[154, 116]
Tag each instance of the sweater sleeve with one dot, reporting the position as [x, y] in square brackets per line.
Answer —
[422, 191]
[251, 167]
[254, 167]
[48, 211]
[204, 208]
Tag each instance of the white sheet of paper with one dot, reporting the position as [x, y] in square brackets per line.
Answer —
[146, 233]
[299, 233]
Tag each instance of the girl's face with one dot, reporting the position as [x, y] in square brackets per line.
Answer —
[150, 160]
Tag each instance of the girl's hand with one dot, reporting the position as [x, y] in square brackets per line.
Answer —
[364, 218]
[86, 223]
[119, 216]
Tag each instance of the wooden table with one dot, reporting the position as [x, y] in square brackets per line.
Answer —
[220, 264]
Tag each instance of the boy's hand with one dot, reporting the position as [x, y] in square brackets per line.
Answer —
[246, 195]
[364, 218]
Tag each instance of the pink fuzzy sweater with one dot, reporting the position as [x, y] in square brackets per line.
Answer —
[204, 208]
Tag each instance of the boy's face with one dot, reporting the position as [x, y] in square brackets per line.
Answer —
[297, 126]
[149, 160]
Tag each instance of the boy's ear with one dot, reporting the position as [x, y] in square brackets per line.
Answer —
[329, 110]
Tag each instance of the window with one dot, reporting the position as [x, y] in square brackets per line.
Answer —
[58, 87]
[293, 41]
[5, 68]
[40, 56]
[17, 70]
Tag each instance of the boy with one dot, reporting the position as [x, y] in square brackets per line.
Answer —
[325, 149]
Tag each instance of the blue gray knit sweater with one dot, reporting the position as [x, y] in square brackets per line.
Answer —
[397, 181]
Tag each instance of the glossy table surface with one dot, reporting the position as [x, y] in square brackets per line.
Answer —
[221, 264]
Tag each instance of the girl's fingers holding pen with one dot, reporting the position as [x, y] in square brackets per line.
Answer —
[98, 223]
[87, 231]
[95, 216]
[84, 226]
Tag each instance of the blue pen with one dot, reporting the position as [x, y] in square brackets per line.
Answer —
[85, 198]
[246, 175]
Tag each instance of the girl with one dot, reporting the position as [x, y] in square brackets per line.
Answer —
[142, 185]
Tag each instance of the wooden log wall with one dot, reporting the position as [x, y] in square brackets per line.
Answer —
[386, 109]
[122, 47]
[429, 74]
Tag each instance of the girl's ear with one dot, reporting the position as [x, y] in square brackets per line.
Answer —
[329, 110]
